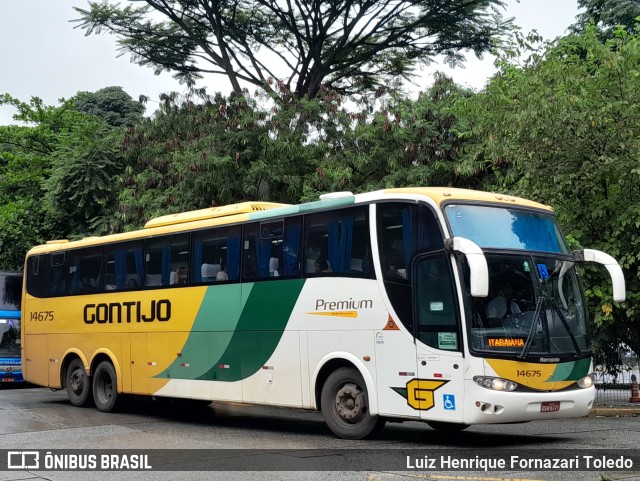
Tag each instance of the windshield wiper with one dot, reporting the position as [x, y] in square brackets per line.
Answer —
[566, 326]
[532, 329]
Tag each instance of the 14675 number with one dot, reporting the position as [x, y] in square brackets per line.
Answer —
[42, 316]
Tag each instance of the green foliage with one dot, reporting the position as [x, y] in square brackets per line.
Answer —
[23, 224]
[81, 186]
[563, 128]
[225, 150]
[346, 46]
[217, 152]
[392, 141]
[52, 175]
[608, 14]
[111, 104]
[25, 152]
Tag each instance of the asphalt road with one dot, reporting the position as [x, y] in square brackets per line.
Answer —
[235, 435]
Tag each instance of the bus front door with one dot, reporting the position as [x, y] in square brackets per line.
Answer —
[438, 389]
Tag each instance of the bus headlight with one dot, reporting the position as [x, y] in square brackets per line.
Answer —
[586, 382]
[495, 383]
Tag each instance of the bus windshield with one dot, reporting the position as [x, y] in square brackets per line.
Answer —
[505, 228]
[535, 308]
[10, 295]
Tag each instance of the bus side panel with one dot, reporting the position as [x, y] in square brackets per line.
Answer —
[161, 359]
[279, 381]
[308, 398]
[125, 362]
[35, 367]
[395, 353]
[334, 344]
[139, 369]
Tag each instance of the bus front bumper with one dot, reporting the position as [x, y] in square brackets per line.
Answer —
[485, 406]
[10, 376]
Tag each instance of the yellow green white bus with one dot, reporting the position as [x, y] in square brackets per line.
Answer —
[367, 307]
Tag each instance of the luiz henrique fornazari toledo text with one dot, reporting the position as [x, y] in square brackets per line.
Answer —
[515, 462]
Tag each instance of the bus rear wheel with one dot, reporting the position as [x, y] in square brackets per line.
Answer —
[78, 384]
[345, 405]
[105, 387]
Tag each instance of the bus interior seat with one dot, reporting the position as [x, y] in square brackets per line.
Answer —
[209, 272]
[274, 263]
[173, 278]
[311, 266]
[153, 280]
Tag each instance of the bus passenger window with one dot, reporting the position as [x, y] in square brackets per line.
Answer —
[338, 242]
[37, 275]
[291, 244]
[164, 258]
[124, 267]
[85, 269]
[404, 230]
[216, 255]
[257, 254]
[57, 279]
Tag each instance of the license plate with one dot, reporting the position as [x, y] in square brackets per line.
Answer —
[550, 407]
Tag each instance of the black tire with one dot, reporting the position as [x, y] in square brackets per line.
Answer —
[105, 387]
[345, 405]
[78, 384]
[447, 427]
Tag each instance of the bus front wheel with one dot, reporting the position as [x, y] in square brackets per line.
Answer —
[345, 405]
[105, 387]
[78, 384]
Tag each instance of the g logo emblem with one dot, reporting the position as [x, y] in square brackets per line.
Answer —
[420, 393]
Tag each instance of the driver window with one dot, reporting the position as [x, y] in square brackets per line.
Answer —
[436, 305]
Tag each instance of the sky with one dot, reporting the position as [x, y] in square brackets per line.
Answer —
[43, 55]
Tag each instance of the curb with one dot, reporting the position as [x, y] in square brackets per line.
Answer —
[615, 412]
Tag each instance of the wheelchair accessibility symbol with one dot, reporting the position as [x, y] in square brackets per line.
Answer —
[449, 401]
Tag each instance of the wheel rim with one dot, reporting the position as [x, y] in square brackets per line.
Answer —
[350, 402]
[77, 381]
[105, 388]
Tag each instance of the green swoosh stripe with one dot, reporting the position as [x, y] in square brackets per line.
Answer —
[262, 322]
[238, 326]
[570, 371]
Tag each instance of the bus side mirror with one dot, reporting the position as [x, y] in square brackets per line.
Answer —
[617, 277]
[479, 272]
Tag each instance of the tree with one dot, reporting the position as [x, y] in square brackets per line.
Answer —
[607, 14]
[391, 140]
[111, 104]
[344, 45]
[81, 187]
[218, 151]
[563, 128]
[39, 161]
[25, 161]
